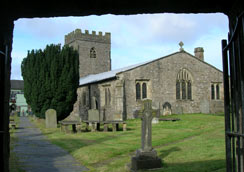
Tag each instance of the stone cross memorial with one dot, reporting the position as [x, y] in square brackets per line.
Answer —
[51, 118]
[146, 157]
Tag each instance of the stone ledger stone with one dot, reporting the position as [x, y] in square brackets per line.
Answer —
[51, 118]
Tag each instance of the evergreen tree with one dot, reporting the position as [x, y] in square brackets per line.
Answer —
[51, 78]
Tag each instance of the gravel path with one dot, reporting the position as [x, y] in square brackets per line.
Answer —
[37, 154]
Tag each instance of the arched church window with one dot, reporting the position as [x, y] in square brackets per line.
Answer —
[189, 94]
[177, 90]
[212, 92]
[184, 85]
[183, 90]
[138, 91]
[144, 90]
[217, 91]
[93, 52]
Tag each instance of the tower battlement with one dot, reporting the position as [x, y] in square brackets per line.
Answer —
[78, 35]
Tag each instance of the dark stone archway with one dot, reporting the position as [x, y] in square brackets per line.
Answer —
[12, 10]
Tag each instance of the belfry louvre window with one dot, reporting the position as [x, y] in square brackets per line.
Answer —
[184, 85]
[93, 52]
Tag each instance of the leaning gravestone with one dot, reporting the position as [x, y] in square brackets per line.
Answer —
[146, 157]
[51, 118]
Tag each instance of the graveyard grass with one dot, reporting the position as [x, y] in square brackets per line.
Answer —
[195, 143]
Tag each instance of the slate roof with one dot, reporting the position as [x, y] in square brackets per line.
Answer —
[107, 75]
[17, 84]
[93, 78]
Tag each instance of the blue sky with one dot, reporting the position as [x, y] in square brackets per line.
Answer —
[135, 38]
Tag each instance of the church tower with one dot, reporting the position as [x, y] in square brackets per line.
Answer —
[94, 51]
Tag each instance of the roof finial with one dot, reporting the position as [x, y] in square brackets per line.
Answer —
[181, 44]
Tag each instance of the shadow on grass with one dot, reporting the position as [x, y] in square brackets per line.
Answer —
[196, 166]
[165, 153]
[82, 142]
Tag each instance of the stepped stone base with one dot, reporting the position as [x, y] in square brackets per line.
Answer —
[145, 160]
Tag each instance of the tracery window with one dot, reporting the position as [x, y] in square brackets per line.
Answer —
[189, 94]
[184, 85]
[183, 90]
[93, 52]
[177, 90]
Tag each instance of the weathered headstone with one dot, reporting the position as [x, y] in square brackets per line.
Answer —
[204, 106]
[167, 109]
[146, 157]
[155, 120]
[93, 115]
[51, 118]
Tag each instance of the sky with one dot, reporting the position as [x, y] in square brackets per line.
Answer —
[134, 38]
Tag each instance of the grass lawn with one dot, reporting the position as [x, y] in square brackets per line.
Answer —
[193, 144]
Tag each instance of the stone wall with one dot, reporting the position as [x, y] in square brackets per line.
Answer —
[161, 78]
[107, 97]
[84, 42]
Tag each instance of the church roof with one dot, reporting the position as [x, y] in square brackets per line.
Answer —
[106, 75]
[17, 84]
[93, 78]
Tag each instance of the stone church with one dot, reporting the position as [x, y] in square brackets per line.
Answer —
[177, 83]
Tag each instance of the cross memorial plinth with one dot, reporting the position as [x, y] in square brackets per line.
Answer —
[146, 157]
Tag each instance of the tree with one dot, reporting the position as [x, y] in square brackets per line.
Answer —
[51, 78]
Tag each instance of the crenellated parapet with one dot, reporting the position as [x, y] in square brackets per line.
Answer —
[78, 35]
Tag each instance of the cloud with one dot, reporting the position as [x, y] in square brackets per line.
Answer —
[135, 38]
[16, 66]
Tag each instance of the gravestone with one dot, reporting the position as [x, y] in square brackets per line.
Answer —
[146, 157]
[204, 106]
[155, 120]
[167, 109]
[51, 118]
[93, 115]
